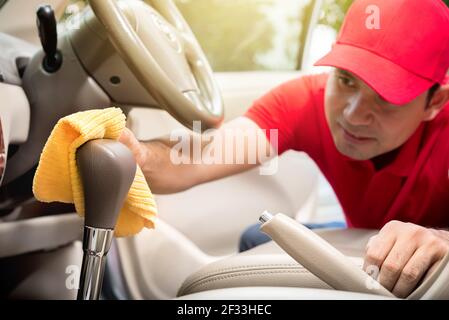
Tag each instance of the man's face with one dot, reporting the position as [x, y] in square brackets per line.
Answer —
[362, 124]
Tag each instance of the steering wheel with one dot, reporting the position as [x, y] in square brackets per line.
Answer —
[170, 64]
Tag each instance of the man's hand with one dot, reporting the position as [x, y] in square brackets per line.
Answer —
[404, 253]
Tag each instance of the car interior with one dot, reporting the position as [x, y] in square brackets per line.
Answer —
[147, 58]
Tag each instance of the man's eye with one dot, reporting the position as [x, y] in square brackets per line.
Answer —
[347, 82]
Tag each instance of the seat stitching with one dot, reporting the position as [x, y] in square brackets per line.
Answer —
[223, 277]
[257, 266]
[296, 268]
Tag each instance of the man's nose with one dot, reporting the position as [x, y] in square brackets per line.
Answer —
[358, 112]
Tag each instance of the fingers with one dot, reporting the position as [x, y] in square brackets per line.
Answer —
[413, 271]
[434, 266]
[422, 264]
[395, 262]
[128, 139]
[126, 136]
[377, 250]
[404, 253]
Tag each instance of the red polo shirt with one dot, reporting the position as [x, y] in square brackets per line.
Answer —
[414, 187]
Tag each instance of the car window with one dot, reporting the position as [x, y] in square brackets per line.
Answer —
[243, 35]
[323, 34]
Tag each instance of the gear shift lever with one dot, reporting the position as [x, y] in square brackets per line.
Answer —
[107, 170]
[48, 34]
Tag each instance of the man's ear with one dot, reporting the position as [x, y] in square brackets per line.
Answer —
[439, 99]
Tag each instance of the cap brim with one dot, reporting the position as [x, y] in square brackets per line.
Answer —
[392, 82]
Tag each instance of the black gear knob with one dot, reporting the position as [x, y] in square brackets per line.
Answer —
[47, 27]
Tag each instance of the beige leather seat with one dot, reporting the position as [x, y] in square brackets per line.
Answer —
[269, 266]
[278, 293]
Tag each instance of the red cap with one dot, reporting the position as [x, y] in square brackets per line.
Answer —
[400, 48]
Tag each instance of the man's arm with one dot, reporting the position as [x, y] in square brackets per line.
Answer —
[185, 160]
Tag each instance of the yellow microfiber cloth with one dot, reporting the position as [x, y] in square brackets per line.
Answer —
[57, 177]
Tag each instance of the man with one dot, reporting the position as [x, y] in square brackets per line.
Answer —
[377, 126]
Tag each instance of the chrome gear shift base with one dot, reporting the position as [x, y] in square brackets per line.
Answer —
[96, 244]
